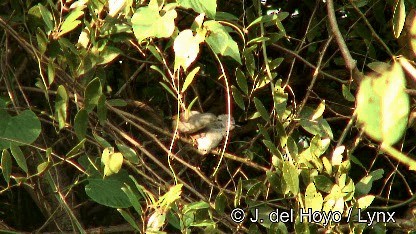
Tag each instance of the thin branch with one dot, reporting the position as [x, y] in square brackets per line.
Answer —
[349, 61]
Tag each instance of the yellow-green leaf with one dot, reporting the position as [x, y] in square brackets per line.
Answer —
[61, 105]
[189, 78]
[71, 22]
[399, 17]
[383, 105]
[319, 111]
[147, 22]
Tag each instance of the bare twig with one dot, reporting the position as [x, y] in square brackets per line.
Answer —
[350, 63]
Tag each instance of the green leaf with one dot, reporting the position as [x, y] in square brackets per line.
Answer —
[186, 47]
[319, 126]
[6, 165]
[51, 72]
[61, 106]
[258, 40]
[41, 168]
[133, 198]
[129, 219]
[364, 202]
[379, 67]
[22, 129]
[383, 106]
[220, 203]
[42, 40]
[261, 109]
[238, 194]
[291, 177]
[272, 148]
[363, 187]
[128, 153]
[92, 94]
[221, 42]
[101, 141]
[81, 124]
[102, 110]
[47, 18]
[276, 182]
[19, 157]
[189, 78]
[313, 198]
[323, 183]
[319, 111]
[275, 63]
[76, 149]
[347, 94]
[241, 81]
[147, 22]
[399, 17]
[263, 19]
[209, 7]
[195, 206]
[71, 22]
[108, 54]
[108, 191]
[318, 146]
[263, 212]
[238, 97]
[117, 102]
[280, 99]
[170, 197]
[154, 52]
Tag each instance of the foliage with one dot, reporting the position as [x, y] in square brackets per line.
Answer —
[104, 103]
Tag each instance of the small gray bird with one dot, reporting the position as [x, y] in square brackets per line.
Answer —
[206, 129]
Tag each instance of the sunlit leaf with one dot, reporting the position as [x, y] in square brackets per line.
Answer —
[383, 105]
[291, 177]
[209, 7]
[221, 42]
[61, 105]
[189, 78]
[186, 47]
[399, 17]
[319, 126]
[147, 22]
[71, 22]
[319, 111]
[364, 202]
[347, 94]
[313, 198]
